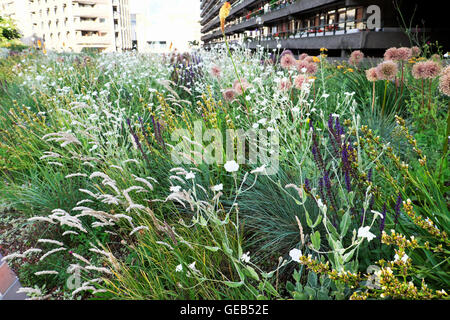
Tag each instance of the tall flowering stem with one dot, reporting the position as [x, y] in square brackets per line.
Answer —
[384, 97]
[445, 146]
[401, 90]
[223, 14]
[373, 96]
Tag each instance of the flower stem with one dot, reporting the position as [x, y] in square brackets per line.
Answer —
[445, 144]
[384, 97]
[373, 96]
[237, 74]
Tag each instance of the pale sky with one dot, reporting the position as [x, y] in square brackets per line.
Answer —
[175, 21]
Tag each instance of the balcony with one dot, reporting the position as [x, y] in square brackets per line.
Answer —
[93, 40]
[89, 12]
[91, 26]
[238, 7]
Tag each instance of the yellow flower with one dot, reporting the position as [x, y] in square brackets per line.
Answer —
[340, 67]
[39, 44]
[323, 49]
[223, 13]
[350, 70]
[315, 59]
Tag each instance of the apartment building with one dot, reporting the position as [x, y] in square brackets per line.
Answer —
[338, 25]
[72, 25]
[122, 25]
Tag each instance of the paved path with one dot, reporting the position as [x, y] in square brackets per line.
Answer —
[9, 283]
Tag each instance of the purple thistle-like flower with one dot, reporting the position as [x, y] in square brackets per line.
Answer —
[322, 195]
[398, 205]
[136, 139]
[327, 183]
[338, 130]
[153, 125]
[307, 185]
[144, 132]
[346, 167]
[348, 183]
[369, 175]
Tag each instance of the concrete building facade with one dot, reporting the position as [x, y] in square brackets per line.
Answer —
[72, 25]
[338, 25]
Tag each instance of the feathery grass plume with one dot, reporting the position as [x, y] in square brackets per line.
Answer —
[223, 14]
[51, 252]
[46, 272]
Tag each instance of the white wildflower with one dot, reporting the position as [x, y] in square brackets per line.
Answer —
[231, 166]
[218, 187]
[295, 254]
[364, 232]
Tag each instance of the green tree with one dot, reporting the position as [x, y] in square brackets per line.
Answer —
[8, 30]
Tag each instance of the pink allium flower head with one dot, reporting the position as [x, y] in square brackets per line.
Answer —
[432, 69]
[229, 94]
[426, 70]
[415, 51]
[446, 71]
[304, 66]
[298, 81]
[241, 86]
[285, 52]
[444, 84]
[371, 74]
[436, 57]
[404, 54]
[391, 54]
[387, 70]
[302, 56]
[284, 85]
[215, 71]
[418, 70]
[288, 61]
[356, 57]
[309, 59]
[311, 68]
